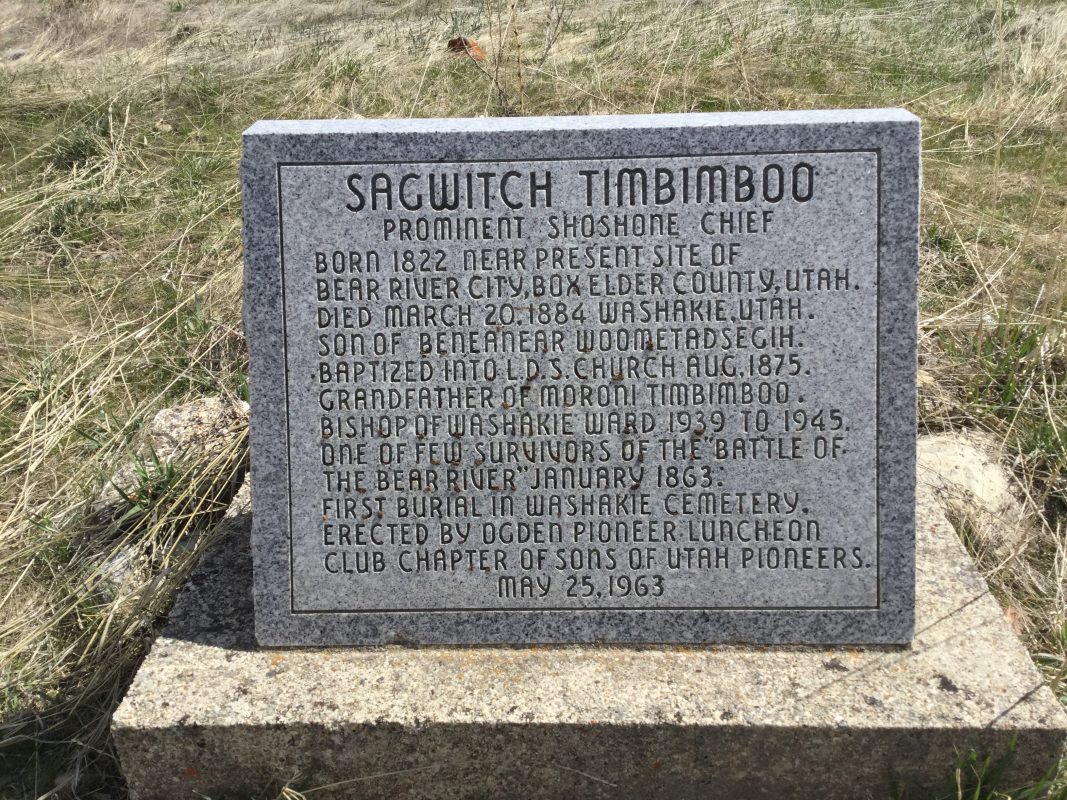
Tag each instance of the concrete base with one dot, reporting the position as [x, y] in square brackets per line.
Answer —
[212, 714]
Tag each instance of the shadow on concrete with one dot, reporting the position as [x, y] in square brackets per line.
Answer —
[215, 605]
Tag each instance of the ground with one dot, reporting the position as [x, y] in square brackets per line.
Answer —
[120, 262]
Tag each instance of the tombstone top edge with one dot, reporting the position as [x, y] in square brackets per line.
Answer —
[591, 123]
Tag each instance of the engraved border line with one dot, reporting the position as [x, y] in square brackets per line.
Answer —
[877, 151]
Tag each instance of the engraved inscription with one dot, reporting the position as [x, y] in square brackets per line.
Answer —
[597, 384]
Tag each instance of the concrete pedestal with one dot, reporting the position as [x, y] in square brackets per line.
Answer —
[212, 714]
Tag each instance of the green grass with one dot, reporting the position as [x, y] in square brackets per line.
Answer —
[120, 255]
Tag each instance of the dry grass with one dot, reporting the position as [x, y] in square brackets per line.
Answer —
[120, 255]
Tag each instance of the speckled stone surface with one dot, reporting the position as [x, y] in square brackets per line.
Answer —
[856, 353]
[212, 714]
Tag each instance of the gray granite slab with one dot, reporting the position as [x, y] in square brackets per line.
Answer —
[620, 379]
[212, 714]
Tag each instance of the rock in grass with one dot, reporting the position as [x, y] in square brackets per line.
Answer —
[193, 457]
[979, 495]
[183, 476]
[126, 564]
[241, 505]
